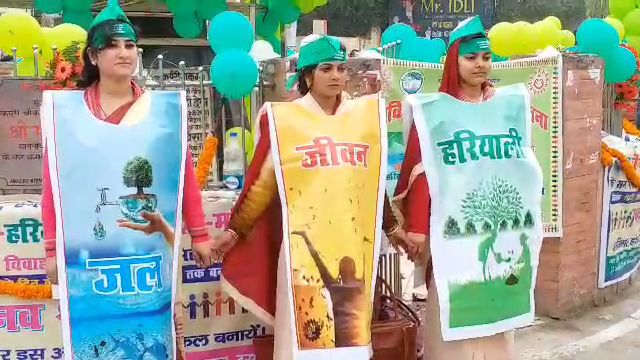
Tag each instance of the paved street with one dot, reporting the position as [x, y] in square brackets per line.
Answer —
[610, 332]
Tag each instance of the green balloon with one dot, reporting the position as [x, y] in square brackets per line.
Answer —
[182, 6]
[275, 43]
[77, 5]
[402, 32]
[620, 66]
[266, 25]
[49, 6]
[421, 50]
[620, 8]
[208, 9]
[234, 74]
[632, 22]
[285, 12]
[231, 30]
[187, 26]
[80, 18]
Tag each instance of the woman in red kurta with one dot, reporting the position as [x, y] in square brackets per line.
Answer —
[110, 93]
[465, 78]
[252, 241]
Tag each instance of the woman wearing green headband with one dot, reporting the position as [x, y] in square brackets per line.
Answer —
[255, 223]
[111, 95]
[465, 77]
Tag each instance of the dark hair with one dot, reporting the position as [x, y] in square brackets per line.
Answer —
[91, 73]
[303, 88]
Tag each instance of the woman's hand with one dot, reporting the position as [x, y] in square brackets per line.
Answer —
[417, 244]
[202, 253]
[51, 266]
[155, 224]
[399, 241]
[222, 244]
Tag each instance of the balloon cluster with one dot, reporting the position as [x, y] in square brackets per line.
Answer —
[73, 11]
[234, 73]
[411, 47]
[523, 38]
[626, 13]
[597, 36]
[189, 15]
[21, 31]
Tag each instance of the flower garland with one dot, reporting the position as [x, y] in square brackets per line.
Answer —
[205, 160]
[609, 154]
[630, 128]
[627, 92]
[66, 67]
[26, 291]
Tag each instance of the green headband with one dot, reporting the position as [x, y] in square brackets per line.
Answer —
[475, 46]
[466, 28]
[326, 49]
[119, 26]
[104, 34]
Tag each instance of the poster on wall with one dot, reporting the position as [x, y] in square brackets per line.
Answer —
[215, 325]
[620, 237]
[29, 329]
[20, 135]
[543, 79]
[437, 18]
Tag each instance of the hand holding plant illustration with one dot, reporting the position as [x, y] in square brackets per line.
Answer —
[155, 224]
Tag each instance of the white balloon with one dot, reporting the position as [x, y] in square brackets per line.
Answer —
[262, 51]
[370, 54]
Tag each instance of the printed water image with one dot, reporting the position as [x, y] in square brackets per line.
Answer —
[144, 343]
[120, 314]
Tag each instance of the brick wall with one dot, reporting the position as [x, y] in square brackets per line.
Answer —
[567, 277]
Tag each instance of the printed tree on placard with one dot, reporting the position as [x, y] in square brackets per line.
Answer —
[515, 223]
[138, 174]
[494, 201]
[486, 227]
[451, 227]
[470, 228]
[504, 225]
[528, 220]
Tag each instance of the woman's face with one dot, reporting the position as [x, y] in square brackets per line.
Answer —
[119, 59]
[474, 68]
[329, 79]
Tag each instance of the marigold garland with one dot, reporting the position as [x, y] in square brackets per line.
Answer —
[205, 160]
[607, 158]
[26, 291]
[630, 128]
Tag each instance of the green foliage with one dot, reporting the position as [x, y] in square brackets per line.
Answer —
[451, 227]
[515, 223]
[486, 227]
[348, 17]
[528, 220]
[72, 52]
[138, 173]
[470, 228]
[494, 201]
